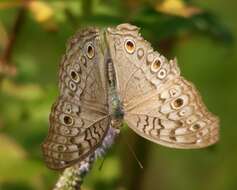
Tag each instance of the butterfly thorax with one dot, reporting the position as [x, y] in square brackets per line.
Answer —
[116, 106]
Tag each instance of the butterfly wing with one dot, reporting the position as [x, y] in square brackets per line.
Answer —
[79, 118]
[159, 104]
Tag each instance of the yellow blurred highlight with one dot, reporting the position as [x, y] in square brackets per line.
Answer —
[11, 149]
[178, 8]
[24, 92]
[41, 11]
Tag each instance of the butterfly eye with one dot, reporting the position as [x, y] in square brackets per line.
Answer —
[161, 74]
[155, 66]
[130, 46]
[90, 51]
[75, 77]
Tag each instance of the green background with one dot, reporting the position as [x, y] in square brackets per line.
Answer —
[207, 55]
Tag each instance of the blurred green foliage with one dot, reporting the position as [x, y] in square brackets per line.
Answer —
[199, 33]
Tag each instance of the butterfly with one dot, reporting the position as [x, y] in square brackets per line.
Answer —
[111, 76]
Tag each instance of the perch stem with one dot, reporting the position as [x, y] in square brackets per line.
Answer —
[72, 177]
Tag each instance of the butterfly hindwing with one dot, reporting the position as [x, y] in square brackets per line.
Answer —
[175, 118]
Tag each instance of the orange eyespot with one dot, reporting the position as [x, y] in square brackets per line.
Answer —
[155, 66]
[67, 120]
[75, 77]
[130, 46]
[178, 102]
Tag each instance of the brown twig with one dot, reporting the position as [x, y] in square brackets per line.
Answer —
[14, 33]
[6, 57]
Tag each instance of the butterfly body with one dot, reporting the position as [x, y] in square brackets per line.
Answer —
[112, 76]
[114, 101]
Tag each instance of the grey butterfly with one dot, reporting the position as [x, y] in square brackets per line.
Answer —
[112, 76]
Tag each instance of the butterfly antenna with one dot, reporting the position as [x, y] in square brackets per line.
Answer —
[134, 154]
[102, 163]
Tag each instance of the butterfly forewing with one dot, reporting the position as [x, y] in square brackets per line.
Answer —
[79, 118]
[159, 104]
